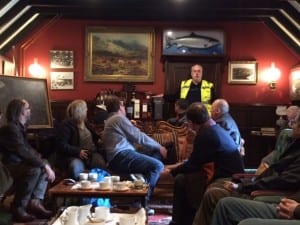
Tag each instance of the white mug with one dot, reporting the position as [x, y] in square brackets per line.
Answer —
[83, 212]
[107, 179]
[83, 176]
[102, 212]
[85, 184]
[71, 216]
[115, 179]
[93, 177]
[104, 185]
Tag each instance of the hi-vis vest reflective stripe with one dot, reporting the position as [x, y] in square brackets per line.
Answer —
[205, 91]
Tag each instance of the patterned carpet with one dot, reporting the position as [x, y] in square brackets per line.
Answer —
[159, 219]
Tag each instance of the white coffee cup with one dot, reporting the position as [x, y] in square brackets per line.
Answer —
[102, 213]
[115, 179]
[85, 184]
[104, 185]
[70, 216]
[127, 219]
[93, 177]
[83, 212]
[83, 176]
[120, 185]
[107, 179]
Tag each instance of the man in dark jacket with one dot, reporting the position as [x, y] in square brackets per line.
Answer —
[212, 144]
[281, 175]
[30, 172]
[233, 211]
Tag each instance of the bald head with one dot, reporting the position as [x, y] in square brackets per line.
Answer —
[218, 108]
[291, 114]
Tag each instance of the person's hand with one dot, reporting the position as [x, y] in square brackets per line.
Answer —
[286, 208]
[134, 122]
[50, 173]
[230, 186]
[172, 166]
[83, 154]
[163, 151]
[158, 95]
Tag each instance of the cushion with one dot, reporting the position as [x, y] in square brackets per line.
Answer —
[168, 140]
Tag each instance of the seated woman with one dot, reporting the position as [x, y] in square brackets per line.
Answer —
[180, 108]
[77, 144]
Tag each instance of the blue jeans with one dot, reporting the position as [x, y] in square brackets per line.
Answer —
[233, 211]
[133, 162]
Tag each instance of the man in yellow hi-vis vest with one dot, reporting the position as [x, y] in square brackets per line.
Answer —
[196, 89]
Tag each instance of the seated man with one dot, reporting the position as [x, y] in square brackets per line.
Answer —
[281, 175]
[212, 144]
[180, 109]
[77, 143]
[220, 114]
[30, 173]
[282, 140]
[233, 211]
[120, 137]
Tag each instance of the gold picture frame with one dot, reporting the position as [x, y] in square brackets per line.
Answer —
[119, 54]
[242, 72]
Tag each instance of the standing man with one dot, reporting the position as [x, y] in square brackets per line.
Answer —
[194, 89]
[211, 144]
[120, 137]
[30, 173]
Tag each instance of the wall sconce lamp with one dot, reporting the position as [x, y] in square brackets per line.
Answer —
[272, 76]
[36, 70]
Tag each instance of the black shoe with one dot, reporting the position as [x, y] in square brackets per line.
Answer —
[20, 215]
[35, 207]
[173, 223]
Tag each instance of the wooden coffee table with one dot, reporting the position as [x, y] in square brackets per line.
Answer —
[65, 191]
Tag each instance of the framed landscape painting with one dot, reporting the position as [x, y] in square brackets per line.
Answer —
[242, 72]
[119, 54]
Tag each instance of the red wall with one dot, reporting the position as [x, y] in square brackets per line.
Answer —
[244, 41]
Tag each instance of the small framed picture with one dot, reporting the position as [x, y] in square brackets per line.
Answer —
[60, 59]
[242, 72]
[62, 80]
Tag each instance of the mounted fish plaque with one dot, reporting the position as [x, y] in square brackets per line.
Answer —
[198, 42]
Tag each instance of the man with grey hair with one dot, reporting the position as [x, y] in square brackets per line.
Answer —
[29, 171]
[220, 113]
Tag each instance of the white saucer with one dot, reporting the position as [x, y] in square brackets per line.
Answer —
[121, 189]
[85, 188]
[103, 189]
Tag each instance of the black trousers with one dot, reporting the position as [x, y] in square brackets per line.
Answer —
[187, 196]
